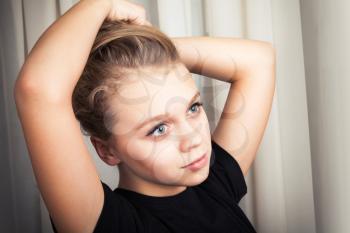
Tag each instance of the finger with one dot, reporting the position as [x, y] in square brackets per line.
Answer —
[141, 21]
[146, 22]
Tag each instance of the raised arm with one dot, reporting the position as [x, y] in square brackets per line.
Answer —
[249, 66]
[63, 168]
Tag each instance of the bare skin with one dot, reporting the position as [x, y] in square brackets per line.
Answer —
[59, 156]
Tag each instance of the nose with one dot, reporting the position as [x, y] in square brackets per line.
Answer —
[190, 138]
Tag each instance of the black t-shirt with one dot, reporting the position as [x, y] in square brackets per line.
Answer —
[211, 206]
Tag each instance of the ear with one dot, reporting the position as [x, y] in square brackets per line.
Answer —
[103, 150]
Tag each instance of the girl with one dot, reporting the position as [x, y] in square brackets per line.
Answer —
[131, 90]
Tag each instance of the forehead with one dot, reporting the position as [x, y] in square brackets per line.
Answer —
[151, 92]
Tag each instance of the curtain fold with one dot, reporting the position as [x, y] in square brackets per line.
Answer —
[19, 195]
[293, 117]
[280, 183]
[326, 36]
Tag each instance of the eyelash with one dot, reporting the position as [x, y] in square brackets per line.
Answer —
[198, 104]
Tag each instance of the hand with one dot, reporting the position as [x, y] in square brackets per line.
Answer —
[127, 11]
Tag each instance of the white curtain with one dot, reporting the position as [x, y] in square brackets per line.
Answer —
[298, 182]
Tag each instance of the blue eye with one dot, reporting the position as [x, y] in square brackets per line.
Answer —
[160, 126]
[197, 104]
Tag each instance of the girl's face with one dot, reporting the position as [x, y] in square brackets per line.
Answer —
[153, 153]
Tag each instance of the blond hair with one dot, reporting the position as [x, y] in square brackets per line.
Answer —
[119, 48]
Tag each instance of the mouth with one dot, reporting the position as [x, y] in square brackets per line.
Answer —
[198, 163]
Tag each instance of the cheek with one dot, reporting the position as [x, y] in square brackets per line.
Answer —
[204, 125]
[166, 165]
[201, 125]
[138, 150]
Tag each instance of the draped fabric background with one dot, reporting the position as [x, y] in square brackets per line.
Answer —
[299, 181]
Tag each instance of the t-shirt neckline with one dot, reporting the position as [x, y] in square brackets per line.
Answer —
[148, 200]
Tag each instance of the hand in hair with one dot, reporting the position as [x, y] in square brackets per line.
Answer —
[127, 11]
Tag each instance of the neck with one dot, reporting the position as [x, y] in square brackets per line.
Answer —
[130, 181]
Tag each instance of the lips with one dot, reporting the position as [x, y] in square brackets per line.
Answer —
[195, 160]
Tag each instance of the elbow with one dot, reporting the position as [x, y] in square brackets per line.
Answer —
[267, 59]
[30, 88]
[268, 54]
[21, 89]
[28, 91]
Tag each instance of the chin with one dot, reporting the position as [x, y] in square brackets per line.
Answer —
[197, 179]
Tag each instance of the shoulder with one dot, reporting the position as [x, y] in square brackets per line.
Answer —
[225, 177]
[117, 214]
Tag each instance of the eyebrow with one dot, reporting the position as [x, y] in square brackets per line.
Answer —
[166, 115]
